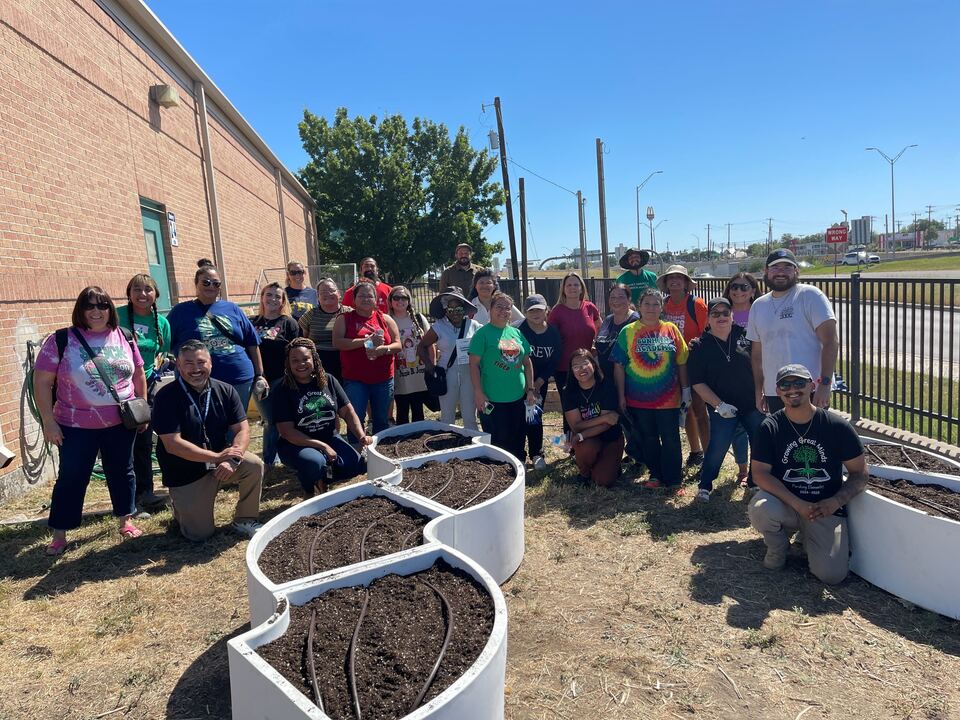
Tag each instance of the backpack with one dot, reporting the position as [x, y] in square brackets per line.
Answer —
[691, 311]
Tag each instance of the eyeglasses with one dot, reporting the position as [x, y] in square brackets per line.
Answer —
[797, 384]
[503, 308]
[296, 272]
[96, 306]
[401, 297]
[740, 286]
[720, 313]
[456, 309]
[579, 367]
[207, 282]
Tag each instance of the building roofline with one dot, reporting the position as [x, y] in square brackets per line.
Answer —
[145, 17]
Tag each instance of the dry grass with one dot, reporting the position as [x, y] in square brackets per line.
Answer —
[627, 605]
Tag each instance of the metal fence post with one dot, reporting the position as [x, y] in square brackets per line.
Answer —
[855, 396]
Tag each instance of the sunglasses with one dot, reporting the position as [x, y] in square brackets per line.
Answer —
[400, 297]
[295, 272]
[207, 282]
[456, 309]
[740, 286]
[96, 306]
[720, 313]
[797, 384]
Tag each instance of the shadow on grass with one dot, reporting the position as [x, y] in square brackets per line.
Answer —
[203, 691]
[627, 505]
[733, 569]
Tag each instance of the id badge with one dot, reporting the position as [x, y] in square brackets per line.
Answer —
[463, 345]
[209, 465]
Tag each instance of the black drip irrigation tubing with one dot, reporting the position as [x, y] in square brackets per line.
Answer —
[909, 459]
[942, 509]
[430, 438]
[448, 616]
[482, 490]
[311, 663]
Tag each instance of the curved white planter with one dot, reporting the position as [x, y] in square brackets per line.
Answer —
[263, 592]
[259, 692]
[379, 465]
[906, 551]
[491, 533]
[907, 472]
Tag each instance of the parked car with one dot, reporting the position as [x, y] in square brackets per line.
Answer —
[855, 258]
[873, 259]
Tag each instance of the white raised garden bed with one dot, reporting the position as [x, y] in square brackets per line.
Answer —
[379, 465]
[906, 471]
[491, 533]
[263, 592]
[905, 551]
[258, 692]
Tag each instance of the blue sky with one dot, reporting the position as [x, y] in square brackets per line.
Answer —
[751, 109]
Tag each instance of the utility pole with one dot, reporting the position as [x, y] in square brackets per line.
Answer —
[506, 190]
[602, 209]
[929, 214]
[584, 267]
[708, 238]
[728, 238]
[769, 234]
[523, 242]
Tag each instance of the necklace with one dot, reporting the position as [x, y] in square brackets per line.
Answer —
[728, 351]
[809, 426]
[588, 398]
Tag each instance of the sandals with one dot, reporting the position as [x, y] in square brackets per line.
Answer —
[129, 531]
[57, 546]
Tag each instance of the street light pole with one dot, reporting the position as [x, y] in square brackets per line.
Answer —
[893, 197]
[639, 188]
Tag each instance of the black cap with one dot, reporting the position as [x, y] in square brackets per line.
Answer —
[794, 370]
[720, 300]
[782, 255]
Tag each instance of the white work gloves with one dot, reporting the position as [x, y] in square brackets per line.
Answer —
[686, 397]
[726, 410]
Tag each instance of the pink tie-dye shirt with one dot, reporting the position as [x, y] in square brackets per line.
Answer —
[83, 401]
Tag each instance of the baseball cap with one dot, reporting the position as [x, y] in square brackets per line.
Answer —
[714, 302]
[782, 255]
[794, 370]
[534, 302]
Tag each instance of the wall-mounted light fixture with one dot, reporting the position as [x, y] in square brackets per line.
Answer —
[165, 96]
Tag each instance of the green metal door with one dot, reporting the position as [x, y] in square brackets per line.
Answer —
[156, 260]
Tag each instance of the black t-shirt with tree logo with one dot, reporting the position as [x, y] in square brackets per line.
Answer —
[808, 458]
[311, 410]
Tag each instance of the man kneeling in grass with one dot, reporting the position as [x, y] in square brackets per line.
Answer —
[797, 461]
[195, 418]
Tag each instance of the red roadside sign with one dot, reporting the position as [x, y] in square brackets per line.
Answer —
[837, 234]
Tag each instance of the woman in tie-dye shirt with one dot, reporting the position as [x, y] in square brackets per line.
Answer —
[650, 368]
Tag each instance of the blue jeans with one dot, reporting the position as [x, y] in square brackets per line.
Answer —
[78, 453]
[243, 389]
[377, 394]
[741, 443]
[722, 432]
[657, 434]
[311, 464]
[270, 433]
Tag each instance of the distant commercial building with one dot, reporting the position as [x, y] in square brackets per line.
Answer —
[861, 231]
[120, 156]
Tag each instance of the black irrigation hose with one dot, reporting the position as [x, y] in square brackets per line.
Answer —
[403, 543]
[874, 453]
[352, 654]
[312, 565]
[942, 509]
[909, 459]
[448, 612]
[438, 492]
[482, 490]
[311, 664]
[430, 438]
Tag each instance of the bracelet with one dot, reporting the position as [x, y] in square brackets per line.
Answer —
[580, 437]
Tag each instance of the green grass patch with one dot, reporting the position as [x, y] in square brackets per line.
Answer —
[935, 262]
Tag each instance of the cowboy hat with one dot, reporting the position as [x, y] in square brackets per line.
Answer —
[438, 307]
[644, 258]
[674, 270]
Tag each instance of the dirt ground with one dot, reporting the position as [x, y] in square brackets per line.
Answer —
[628, 604]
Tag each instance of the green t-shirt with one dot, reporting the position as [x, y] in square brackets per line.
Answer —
[638, 283]
[146, 333]
[501, 352]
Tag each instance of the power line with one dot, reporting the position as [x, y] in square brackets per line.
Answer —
[535, 174]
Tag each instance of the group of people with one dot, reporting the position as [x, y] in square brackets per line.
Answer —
[660, 360]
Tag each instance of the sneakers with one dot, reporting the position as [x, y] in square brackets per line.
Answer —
[247, 527]
[694, 458]
[680, 491]
[151, 499]
[703, 495]
[539, 463]
[652, 484]
[775, 558]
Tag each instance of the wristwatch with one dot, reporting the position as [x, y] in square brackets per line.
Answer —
[826, 380]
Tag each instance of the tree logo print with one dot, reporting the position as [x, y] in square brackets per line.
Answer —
[806, 455]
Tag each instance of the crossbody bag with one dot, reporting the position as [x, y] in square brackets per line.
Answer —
[133, 412]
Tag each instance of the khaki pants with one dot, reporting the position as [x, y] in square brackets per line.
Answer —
[826, 541]
[193, 503]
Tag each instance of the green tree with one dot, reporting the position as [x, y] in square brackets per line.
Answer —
[806, 455]
[404, 195]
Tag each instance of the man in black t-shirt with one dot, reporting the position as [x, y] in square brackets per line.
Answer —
[194, 418]
[798, 458]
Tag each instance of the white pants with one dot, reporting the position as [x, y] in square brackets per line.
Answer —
[459, 391]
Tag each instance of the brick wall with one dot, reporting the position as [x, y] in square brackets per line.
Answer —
[81, 144]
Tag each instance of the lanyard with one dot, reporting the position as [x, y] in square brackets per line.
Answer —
[206, 407]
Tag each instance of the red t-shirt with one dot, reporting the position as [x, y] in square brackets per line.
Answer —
[677, 313]
[577, 328]
[383, 297]
[354, 364]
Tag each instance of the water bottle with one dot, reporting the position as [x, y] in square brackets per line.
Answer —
[562, 441]
[368, 343]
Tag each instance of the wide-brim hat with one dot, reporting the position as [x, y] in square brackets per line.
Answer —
[674, 270]
[438, 307]
[644, 258]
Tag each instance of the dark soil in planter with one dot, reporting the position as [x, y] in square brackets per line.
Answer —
[931, 499]
[898, 454]
[287, 556]
[399, 640]
[420, 443]
[459, 483]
